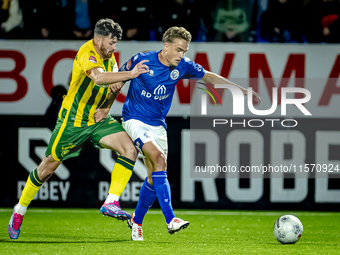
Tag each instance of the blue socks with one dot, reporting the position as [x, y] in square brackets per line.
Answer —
[147, 196]
[162, 187]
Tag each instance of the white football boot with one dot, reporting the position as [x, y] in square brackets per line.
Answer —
[136, 230]
[176, 224]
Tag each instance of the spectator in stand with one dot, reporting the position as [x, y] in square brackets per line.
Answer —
[80, 13]
[322, 23]
[4, 10]
[11, 20]
[180, 13]
[232, 20]
[63, 12]
[258, 8]
[34, 20]
[282, 21]
[205, 11]
[136, 19]
[82, 21]
[32, 12]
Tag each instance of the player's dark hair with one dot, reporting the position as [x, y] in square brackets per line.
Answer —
[107, 27]
[176, 33]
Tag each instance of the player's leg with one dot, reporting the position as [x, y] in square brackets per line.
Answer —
[123, 167]
[158, 165]
[157, 157]
[35, 180]
[152, 142]
[66, 142]
[118, 141]
[147, 196]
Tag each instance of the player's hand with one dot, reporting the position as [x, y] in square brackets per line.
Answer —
[139, 69]
[115, 88]
[256, 96]
[100, 114]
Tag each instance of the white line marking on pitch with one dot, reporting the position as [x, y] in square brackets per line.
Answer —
[189, 212]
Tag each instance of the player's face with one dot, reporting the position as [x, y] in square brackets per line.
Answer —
[107, 47]
[174, 52]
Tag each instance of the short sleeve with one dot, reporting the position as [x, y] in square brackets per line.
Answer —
[130, 64]
[193, 70]
[88, 60]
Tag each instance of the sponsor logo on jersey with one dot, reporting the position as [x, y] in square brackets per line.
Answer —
[156, 97]
[66, 149]
[159, 90]
[63, 153]
[174, 74]
[128, 65]
[150, 73]
[69, 146]
[93, 59]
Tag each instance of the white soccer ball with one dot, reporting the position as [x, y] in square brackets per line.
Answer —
[288, 229]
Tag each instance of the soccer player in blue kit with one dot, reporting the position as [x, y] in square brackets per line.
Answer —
[147, 103]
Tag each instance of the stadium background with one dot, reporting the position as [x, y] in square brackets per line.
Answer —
[29, 69]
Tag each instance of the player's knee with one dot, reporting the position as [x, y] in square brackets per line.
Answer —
[130, 152]
[47, 167]
[160, 161]
[134, 152]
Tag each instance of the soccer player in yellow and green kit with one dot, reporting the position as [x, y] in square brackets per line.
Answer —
[94, 69]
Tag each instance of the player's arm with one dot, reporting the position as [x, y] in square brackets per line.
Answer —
[213, 78]
[102, 112]
[100, 77]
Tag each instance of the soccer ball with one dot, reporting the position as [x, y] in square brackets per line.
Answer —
[288, 229]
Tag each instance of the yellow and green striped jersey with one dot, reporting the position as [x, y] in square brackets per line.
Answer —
[84, 96]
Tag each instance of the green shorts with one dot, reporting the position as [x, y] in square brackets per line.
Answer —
[67, 140]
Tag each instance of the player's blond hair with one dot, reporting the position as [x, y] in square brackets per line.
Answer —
[176, 33]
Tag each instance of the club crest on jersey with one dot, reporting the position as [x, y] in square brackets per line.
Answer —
[174, 74]
[93, 59]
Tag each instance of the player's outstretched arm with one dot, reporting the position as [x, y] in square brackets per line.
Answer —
[213, 78]
[100, 77]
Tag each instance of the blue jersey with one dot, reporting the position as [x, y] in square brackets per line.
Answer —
[150, 94]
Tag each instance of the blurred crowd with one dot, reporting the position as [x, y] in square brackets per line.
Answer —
[312, 21]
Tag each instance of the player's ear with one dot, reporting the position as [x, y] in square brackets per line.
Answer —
[97, 39]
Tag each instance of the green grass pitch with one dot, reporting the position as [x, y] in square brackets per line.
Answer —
[85, 231]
